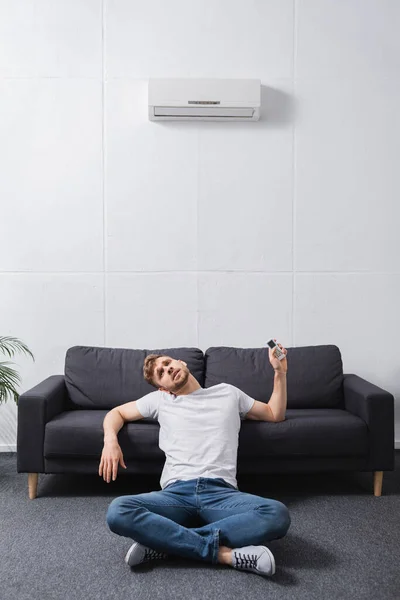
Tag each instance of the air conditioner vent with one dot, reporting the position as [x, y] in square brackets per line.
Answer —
[204, 99]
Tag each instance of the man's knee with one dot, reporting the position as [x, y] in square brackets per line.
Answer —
[281, 519]
[113, 513]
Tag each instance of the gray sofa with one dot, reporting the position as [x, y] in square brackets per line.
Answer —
[333, 421]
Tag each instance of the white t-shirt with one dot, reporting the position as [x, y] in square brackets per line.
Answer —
[199, 432]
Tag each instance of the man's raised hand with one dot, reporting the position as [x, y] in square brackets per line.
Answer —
[280, 366]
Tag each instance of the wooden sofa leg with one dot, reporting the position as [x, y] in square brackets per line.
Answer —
[378, 479]
[33, 479]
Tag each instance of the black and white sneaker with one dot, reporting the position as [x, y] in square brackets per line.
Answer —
[258, 559]
[138, 554]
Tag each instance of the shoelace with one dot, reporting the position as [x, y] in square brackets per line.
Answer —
[150, 554]
[245, 560]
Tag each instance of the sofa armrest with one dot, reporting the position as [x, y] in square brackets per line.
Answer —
[376, 407]
[36, 407]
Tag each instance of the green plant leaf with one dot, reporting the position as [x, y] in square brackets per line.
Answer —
[10, 378]
[7, 390]
[11, 345]
[8, 374]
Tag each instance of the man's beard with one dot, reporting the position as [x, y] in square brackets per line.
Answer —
[183, 381]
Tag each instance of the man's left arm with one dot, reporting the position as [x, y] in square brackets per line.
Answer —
[278, 400]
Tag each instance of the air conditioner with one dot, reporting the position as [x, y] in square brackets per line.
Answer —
[204, 99]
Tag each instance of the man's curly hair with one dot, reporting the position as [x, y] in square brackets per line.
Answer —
[148, 368]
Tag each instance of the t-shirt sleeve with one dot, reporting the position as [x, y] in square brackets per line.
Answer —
[245, 403]
[148, 405]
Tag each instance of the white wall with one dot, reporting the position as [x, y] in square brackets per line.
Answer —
[120, 232]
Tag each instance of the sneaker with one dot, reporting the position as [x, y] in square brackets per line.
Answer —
[138, 554]
[258, 559]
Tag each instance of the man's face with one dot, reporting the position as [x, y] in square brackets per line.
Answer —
[170, 375]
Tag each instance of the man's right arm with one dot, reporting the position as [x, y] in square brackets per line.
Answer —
[116, 418]
[112, 454]
[111, 425]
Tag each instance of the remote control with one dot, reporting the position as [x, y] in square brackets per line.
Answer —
[279, 354]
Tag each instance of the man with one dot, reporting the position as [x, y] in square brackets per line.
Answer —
[199, 429]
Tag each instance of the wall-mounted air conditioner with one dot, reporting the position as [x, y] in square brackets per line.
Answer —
[204, 99]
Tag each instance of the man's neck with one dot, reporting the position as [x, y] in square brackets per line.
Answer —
[190, 386]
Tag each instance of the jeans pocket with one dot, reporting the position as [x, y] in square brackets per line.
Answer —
[233, 487]
[226, 483]
[169, 485]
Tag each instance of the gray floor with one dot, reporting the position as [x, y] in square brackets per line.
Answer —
[343, 542]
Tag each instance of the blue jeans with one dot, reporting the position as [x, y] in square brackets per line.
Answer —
[161, 520]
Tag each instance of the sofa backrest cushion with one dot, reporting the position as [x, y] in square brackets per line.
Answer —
[314, 378]
[107, 377]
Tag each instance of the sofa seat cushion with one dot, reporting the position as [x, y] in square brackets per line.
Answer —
[305, 432]
[79, 433]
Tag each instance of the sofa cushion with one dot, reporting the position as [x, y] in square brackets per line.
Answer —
[107, 377]
[305, 432]
[79, 434]
[314, 378]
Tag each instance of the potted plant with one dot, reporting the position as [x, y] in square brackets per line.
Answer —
[9, 378]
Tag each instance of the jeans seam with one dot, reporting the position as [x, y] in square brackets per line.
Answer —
[162, 505]
[215, 545]
[230, 507]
